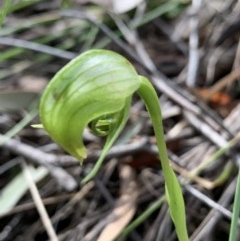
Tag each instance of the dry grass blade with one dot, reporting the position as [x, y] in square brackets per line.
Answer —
[64, 179]
[125, 207]
[224, 82]
[17, 187]
[39, 204]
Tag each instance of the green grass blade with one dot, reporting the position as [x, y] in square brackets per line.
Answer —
[19, 126]
[5, 10]
[236, 212]
[140, 219]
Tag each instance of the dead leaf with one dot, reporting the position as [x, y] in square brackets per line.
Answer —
[216, 98]
[125, 207]
[32, 83]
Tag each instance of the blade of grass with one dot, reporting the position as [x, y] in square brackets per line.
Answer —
[23, 4]
[140, 219]
[17, 187]
[38, 202]
[215, 156]
[5, 10]
[236, 211]
[19, 126]
[162, 9]
[16, 51]
[30, 23]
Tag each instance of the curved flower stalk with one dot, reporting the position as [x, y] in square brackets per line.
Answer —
[95, 90]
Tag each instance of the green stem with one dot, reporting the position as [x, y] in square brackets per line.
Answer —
[151, 209]
[236, 211]
[173, 189]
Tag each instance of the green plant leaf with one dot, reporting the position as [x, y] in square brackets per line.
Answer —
[5, 8]
[17, 187]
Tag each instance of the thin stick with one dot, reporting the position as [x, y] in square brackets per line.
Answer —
[222, 83]
[37, 47]
[193, 62]
[39, 204]
[64, 179]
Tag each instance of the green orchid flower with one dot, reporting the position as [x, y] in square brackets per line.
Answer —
[95, 90]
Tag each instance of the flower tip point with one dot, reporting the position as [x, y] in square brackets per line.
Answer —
[37, 126]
